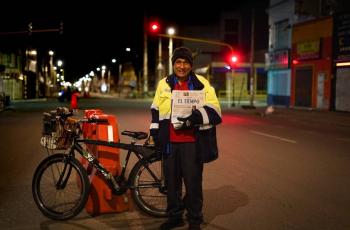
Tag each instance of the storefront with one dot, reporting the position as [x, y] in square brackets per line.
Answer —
[312, 64]
[342, 62]
[238, 87]
[11, 78]
[278, 86]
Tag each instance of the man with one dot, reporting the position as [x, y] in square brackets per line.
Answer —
[187, 147]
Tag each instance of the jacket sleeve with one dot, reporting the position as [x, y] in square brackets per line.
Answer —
[155, 110]
[211, 111]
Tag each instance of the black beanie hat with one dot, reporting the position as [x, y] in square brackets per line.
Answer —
[182, 52]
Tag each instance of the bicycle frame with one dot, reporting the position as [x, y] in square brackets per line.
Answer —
[110, 179]
[63, 172]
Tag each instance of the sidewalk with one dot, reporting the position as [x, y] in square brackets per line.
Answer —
[280, 112]
[300, 114]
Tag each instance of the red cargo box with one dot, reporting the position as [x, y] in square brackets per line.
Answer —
[101, 199]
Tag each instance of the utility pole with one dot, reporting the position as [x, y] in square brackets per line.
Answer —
[160, 67]
[252, 72]
[170, 65]
[145, 55]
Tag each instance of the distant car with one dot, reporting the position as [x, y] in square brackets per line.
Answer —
[61, 96]
[64, 95]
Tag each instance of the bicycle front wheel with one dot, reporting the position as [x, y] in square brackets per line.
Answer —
[60, 187]
[146, 187]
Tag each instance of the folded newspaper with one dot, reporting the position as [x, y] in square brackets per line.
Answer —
[183, 102]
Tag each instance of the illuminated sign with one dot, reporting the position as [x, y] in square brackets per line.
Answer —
[278, 59]
[308, 50]
[342, 37]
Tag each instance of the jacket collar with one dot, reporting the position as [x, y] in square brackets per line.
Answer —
[197, 85]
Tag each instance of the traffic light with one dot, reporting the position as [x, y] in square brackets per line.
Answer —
[61, 27]
[154, 27]
[233, 60]
[30, 28]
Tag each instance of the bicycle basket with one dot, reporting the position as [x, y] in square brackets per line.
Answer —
[57, 134]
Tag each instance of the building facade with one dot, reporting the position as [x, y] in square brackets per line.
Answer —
[308, 56]
[312, 64]
[278, 60]
[341, 64]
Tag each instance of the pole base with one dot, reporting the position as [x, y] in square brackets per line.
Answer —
[248, 107]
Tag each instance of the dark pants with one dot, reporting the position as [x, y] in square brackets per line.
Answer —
[182, 164]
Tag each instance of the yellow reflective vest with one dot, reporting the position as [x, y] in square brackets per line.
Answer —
[161, 111]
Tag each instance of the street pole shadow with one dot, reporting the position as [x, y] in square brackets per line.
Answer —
[68, 224]
[221, 201]
[217, 202]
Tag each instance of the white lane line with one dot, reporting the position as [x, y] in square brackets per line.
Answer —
[343, 139]
[272, 136]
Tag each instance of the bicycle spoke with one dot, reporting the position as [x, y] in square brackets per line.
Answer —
[147, 190]
[60, 201]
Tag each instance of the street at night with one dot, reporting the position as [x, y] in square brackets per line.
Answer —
[286, 170]
[257, 88]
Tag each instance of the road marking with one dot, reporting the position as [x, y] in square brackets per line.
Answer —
[272, 136]
[343, 139]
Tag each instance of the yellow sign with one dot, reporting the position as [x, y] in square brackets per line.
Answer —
[308, 50]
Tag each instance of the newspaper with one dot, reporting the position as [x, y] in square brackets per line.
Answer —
[183, 102]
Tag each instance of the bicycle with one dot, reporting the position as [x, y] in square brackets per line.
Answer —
[61, 183]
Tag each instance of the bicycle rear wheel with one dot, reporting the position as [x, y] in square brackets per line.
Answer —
[60, 187]
[146, 187]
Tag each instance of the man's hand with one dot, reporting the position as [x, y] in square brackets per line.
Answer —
[154, 133]
[194, 119]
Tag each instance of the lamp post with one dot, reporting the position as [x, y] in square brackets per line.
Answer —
[170, 32]
[59, 75]
[160, 66]
[252, 78]
[145, 56]
[49, 70]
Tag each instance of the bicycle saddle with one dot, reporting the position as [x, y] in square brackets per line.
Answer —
[137, 135]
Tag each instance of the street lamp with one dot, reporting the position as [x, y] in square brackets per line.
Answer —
[170, 32]
[103, 85]
[49, 70]
[160, 66]
[233, 60]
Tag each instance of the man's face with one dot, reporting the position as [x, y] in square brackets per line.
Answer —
[182, 68]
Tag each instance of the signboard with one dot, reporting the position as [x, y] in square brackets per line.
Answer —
[278, 59]
[183, 102]
[308, 50]
[342, 37]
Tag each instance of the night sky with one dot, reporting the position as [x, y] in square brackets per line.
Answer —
[94, 34]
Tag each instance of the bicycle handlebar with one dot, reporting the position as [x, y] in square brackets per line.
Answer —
[97, 120]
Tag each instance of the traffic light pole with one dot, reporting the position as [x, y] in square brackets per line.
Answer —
[213, 42]
[252, 72]
[145, 58]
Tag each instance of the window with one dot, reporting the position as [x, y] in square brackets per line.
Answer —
[231, 31]
[231, 39]
[231, 25]
[282, 34]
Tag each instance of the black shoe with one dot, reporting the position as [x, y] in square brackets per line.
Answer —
[194, 227]
[172, 223]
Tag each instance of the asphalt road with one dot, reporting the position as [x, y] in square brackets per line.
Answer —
[275, 172]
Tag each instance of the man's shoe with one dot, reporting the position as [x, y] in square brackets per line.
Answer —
[172, 223]
[194, 227]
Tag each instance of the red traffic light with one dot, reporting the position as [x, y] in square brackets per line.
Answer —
[154, 27]
[233, 59]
